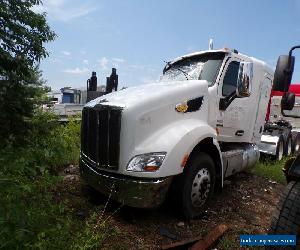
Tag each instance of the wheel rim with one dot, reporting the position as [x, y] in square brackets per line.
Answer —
[280, 153]
[297, 146]
[200, 187]
[289, 151]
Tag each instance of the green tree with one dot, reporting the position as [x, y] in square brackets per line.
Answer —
[23, 34]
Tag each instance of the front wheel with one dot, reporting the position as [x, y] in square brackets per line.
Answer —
[286, 219]
[198, 181]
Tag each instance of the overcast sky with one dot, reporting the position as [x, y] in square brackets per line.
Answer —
[137, 36]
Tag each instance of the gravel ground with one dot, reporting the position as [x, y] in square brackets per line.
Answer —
[245, 205]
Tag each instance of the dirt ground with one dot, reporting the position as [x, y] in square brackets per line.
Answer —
[245, 205]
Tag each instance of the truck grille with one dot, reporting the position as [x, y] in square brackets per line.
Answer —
[100, 136]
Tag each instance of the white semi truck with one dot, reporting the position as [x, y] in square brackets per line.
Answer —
[181, 136]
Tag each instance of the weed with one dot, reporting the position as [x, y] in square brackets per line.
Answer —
[270, 169]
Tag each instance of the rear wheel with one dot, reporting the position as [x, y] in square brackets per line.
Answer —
[286, 219]
[280, 149]
[289, 145]
[198, 181]
[296, 145]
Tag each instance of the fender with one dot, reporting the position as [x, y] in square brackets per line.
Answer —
[178, 139]
[215, 142]
[268, 144]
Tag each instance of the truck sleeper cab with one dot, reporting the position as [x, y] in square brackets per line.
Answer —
[182, 135]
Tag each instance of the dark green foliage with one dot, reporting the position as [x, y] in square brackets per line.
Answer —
[17, 101]
[29, 218]
[28, 214]
[23, 34]
[48, 145]
[34, 146]
[34, 213]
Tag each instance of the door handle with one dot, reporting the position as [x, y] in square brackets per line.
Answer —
[239, 133]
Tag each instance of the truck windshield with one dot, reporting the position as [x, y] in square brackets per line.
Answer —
[200, 67]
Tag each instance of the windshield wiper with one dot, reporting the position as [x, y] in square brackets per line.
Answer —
[185, 74]
[168, 66]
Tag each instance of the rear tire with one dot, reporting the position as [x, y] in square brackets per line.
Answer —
[296, 144]
[286, 218]
[198, 182]
[280, 149]
[289, 145]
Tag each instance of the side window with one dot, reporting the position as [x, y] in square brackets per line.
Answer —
[230, 79]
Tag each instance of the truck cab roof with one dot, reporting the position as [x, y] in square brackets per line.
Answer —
[228, 52]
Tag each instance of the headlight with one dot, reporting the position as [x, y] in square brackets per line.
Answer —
[146, 162]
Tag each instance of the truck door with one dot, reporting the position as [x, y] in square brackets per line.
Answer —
[264, 95]
[233, 122]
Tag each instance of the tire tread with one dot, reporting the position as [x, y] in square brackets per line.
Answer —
[286, 217]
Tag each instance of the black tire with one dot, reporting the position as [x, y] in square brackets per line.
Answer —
[197, 169]
[296, 144]
[286, 218]
[288, 148]
[280, 149]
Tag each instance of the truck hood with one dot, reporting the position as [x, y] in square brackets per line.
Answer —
[162, 92]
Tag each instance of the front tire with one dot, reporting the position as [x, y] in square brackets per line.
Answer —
[286, 219]
[198, 182]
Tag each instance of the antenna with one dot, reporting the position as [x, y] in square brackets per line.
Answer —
[211, 44]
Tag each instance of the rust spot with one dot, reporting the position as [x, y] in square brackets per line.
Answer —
[184, 160]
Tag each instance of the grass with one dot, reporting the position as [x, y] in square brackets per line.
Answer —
[271, 169]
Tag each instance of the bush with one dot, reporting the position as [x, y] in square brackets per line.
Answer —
[29, 217]
[48, 146]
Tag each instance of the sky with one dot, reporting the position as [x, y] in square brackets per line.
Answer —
[137, 36]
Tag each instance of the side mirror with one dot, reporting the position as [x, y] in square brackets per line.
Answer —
[288, 101]
[283, 73]
[244, 81]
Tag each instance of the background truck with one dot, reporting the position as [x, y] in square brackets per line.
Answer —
[181, 136]
[69, 102]
[281, 135]
[286, 218]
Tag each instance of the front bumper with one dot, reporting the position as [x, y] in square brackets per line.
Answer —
[131, 191]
